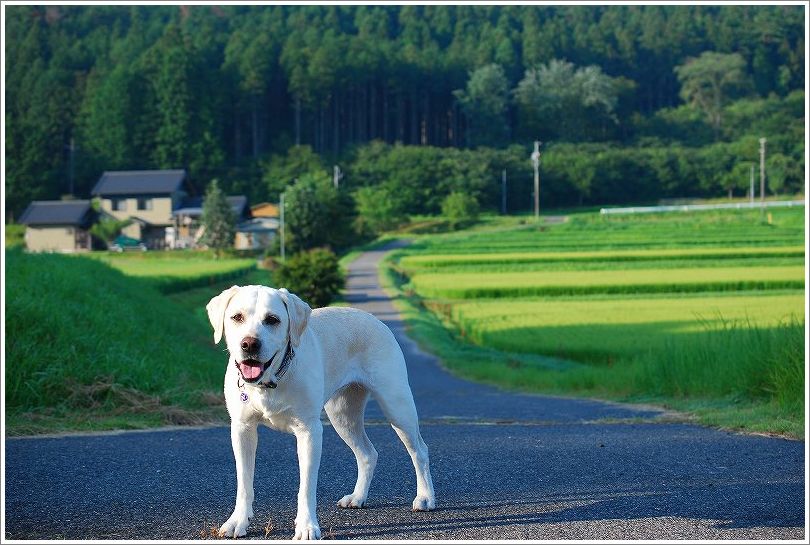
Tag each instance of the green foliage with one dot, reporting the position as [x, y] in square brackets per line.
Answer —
[314, 275]
[218, 220]
[218, 91]
[485, 101]
[379, 209]
[460, 209]
[108, 228]
[557, 100]
[316, 214]
[15, 236]
[709, 81]
[281, 171]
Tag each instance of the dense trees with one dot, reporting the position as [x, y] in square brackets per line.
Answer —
[226, 91]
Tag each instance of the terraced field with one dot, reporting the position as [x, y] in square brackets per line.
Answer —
[612, 292]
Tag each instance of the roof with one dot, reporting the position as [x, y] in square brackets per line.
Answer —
[192, 206]
[258, 225]
[139, 182]
[56, 213]
[265, 209]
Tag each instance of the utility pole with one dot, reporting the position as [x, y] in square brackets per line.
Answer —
[337, 175]
[281, 230]
[751, 192]
[72, 149]
[503, 192]
[536, 164]
[762, 142]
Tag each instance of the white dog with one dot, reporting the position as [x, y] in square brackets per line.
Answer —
[288, 362]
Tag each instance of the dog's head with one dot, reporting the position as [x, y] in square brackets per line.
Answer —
[257, 322]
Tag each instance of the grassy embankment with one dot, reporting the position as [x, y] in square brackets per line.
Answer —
[699, 312]
[90, 348]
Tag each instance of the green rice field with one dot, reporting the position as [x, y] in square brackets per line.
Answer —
[171, 273]
[469, 285]
[630, 301]
[602, 330]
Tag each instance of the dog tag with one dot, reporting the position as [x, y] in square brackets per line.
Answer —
[244, 397]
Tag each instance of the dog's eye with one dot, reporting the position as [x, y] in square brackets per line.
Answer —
[271, 320]
[238, 318]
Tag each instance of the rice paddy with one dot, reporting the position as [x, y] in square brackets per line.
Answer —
[620, 297]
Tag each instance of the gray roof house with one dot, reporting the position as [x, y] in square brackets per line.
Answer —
[58, 226]
[193, 206]
[148, 197]
[187, 231]
[140, 182]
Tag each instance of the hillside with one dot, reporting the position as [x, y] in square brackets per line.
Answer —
[88, 347]
[228, 91]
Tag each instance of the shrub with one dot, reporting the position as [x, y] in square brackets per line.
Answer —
[460, 209]
[378, 209]
[317, 214]
[314, 276]
[108, 228]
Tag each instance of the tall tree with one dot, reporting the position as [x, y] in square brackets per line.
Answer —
[558, 99]
[485, 101]
[218, 219]
[710, 81]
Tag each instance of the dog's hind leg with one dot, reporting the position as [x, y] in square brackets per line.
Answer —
[345, 410]
[396, 401]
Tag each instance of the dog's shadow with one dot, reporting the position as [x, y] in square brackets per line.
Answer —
[716, 506]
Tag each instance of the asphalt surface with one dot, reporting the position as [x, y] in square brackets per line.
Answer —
[504, 465]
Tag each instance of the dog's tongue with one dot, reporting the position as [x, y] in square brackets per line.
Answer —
[250, 369]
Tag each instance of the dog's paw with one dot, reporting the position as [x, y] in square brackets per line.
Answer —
[352, 502]
[423, 503]
[236, 526]
[307, 531]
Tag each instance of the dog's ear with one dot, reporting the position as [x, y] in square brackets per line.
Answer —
[299, 315]
[216, 311]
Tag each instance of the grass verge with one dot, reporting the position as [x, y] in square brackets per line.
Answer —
[89, 348]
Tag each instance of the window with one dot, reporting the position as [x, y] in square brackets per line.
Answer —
[144, 203]
[119, 205]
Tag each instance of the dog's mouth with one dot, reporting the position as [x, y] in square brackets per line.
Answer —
[251, 369]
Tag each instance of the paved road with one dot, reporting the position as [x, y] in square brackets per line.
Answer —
[505, 466]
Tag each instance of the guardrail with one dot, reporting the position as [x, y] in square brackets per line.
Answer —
[691, 207]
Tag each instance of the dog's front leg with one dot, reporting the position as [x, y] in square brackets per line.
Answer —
[309, 440]
[244, 438]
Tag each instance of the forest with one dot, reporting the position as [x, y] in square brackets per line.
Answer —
[632, 103]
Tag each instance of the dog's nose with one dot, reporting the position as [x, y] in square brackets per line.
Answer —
[251, 345]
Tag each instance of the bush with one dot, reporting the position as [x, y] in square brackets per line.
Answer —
[314, 276]
[317, 214]
[460, 209]
[379, 209]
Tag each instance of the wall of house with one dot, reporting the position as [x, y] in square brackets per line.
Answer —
[133, 230]
[253, 240]
[160, 214]
[59, 238]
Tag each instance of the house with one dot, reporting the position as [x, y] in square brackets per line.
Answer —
[58, 226]
[185, 231]
[148, 197]
[256, 233]
[264, 210]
